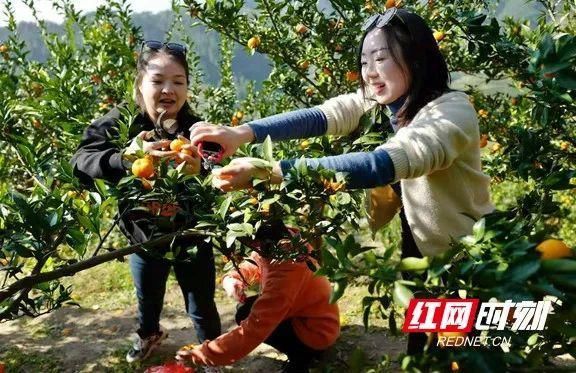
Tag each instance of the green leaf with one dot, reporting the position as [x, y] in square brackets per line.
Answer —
[101, 187]
[560, 180]
[267, 149]
[87, 223]
[224, 207]
[401, 294]
[328, 260]
[411, 264]
[479, 229]
[26, 153]
[520, 271]
[338, 290]
[53, 219]
[558, 265]
[532, 340]
[76, 239]
[357, 361]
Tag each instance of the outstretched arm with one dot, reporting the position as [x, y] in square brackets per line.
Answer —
[364, 169]
[337, 116]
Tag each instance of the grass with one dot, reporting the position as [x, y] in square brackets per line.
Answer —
[16, 360]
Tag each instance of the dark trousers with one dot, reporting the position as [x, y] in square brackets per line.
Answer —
[284, 339]
[197, 282]
[416, 341]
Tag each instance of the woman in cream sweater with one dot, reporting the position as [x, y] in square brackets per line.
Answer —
[433, 159]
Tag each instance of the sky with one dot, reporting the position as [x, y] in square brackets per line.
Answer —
[45, 10]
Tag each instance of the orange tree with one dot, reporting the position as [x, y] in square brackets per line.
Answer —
[52, 227]
[529, 128]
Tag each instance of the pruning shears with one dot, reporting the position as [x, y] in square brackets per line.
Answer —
[211, 153]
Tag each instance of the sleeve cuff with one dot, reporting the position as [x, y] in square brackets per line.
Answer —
[117, 163]
[286, 165]
[331, 128]
[399, 159]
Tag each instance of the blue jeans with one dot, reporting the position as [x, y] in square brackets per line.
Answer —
[197, 282]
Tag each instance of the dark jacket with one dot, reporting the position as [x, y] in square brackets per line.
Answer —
[99, 157]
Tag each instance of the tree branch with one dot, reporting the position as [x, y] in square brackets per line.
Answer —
[30, 281]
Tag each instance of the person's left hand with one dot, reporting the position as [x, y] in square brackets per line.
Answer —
[240, 173]
[189, 154]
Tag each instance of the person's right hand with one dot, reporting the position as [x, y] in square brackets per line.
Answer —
[154, 148]
[230, 138]
[234, 288]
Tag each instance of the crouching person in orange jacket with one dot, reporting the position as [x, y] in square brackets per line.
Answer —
[292, 313]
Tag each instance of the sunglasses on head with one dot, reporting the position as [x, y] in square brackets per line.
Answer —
[157, 45]
[381, 19]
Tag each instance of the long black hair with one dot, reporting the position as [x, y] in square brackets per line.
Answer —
[412, 46]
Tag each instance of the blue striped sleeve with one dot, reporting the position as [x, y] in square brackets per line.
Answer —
[296, 124]
[364, 169]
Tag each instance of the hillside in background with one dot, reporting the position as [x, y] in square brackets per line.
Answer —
[257, 67]
[154, 27]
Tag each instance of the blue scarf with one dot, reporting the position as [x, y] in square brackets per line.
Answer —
[394, 107]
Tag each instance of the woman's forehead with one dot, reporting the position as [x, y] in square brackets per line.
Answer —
[374, 41]
[164, 65]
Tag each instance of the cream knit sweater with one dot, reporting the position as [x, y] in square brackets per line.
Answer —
[437, 160]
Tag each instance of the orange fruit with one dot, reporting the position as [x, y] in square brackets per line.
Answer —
[301, 29]
[96, 79]
[553, 249]
[390, 4]
[37, 89]
[439, 35]
[304, 144]
[177, 144]
[36, 123]
[239, 115]
[352, 76]
[194, 11]
[265, 209]
[253, 201]
[234, 121]
[309, 91]
[253, 42]
[304, 64]
[333, 186]
[143, 167]
[188, 347]
[564, 145]
[454, 367]
[3, 48]
[496, 147]
[483, 140]
[185, 151]
[483, 113]
[327, 71]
